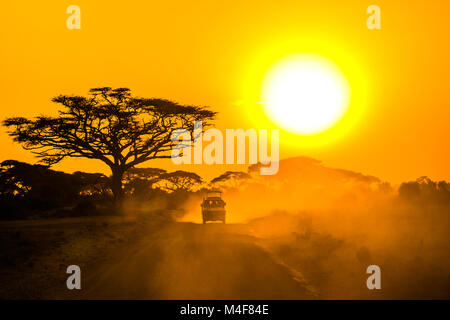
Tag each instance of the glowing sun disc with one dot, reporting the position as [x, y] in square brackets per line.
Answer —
[305, 94]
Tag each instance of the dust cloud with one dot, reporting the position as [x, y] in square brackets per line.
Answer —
[328, 225]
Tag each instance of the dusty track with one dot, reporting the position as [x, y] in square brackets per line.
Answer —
[190, 261]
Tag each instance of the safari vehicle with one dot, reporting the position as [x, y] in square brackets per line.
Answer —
[213, 207]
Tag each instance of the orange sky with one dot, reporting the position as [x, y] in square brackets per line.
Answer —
[205, 52]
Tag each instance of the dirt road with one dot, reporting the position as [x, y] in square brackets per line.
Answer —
[191, 261]
[152, 257]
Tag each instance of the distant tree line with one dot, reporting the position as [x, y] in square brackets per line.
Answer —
[27, 190]
[425, 191]
[35, 190]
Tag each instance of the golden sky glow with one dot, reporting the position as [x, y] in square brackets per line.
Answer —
[217, 53]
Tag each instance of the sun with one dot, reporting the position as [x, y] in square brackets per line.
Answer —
[305, 94]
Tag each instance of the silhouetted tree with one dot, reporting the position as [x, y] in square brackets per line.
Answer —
[180, 180]
[409, 191]
[425, 191]
[92, 183]
[231, 179]
[37, 184]
[109, 125]
[140, 181]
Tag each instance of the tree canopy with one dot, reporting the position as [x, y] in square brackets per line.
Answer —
[232, 179]
[180, 180]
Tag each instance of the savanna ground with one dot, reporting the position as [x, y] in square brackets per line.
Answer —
[152, 256]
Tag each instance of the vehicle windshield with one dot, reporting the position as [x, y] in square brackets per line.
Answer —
[214, 194]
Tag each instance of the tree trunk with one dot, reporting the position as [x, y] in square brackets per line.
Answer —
[116, 187]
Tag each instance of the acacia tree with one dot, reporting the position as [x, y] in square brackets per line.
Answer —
[232, 179]
[109, 125]
[180, 180]
[139, 181]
